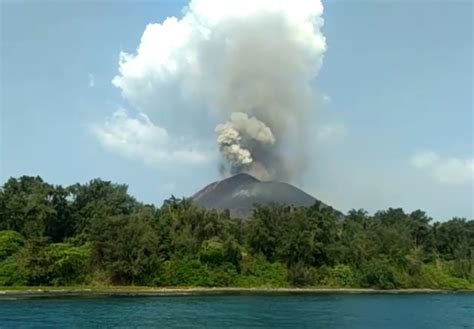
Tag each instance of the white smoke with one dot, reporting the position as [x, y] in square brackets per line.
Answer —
[233, 135]
[252, 60]
[252, 127]
[229, 140]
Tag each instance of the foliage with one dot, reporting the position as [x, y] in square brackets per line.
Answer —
[10, 242]
[11, 274]
[380, 273]
[301, 275]
[212, 252]
[40, 263]
[438, 276]
[96, 233]
[125, 246]
[258, 272]
[340, 276]
[69, 263]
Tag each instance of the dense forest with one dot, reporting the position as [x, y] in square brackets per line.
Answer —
[97, 234]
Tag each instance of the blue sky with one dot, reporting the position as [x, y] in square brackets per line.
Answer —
[395, 128]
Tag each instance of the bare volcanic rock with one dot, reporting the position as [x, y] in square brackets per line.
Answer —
[241, 192]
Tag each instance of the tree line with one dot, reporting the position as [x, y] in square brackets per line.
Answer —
[97, 234]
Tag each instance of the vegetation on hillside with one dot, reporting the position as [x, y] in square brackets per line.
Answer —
[97, 233]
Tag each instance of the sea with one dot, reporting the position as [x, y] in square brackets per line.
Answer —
[225, 311]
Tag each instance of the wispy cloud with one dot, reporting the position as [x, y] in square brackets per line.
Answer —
[331, 131]
[138, 138]
[450, 170]
[169, 187]
[91, 80]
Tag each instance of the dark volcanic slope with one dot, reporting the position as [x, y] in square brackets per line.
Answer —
[239, 193]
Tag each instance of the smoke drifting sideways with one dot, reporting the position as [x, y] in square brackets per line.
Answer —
[249, 65]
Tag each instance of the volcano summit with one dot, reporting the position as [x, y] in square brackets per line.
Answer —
[240, 193]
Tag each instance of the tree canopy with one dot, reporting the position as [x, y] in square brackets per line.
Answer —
[96, 233]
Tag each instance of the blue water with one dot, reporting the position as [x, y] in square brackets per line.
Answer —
[387, 311]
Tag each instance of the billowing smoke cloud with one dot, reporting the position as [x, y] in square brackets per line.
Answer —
[248, 60]
[237, 134]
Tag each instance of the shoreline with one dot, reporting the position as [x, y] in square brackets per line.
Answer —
[156, 291]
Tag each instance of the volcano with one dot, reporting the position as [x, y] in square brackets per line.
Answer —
[240, 193]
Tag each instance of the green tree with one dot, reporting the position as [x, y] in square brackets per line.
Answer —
[126, 247]
[379, 273]
[10, 243]
[26, 205]
[98, 199]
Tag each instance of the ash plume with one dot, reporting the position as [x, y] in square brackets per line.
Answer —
[236, 135]
[246, 64]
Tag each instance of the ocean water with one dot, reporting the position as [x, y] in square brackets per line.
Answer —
[387, 311]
